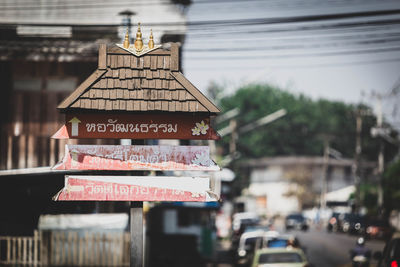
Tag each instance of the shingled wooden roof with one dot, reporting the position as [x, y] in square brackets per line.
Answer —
[125, 82]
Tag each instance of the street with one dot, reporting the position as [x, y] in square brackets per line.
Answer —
[331, 249]
[323, 249]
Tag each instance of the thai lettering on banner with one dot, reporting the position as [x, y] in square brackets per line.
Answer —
[112, 126]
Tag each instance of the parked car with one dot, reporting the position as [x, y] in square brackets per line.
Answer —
[296, 221]
[240, 221]
[283, 241]
[353, 224]
[378, 228]
[255, 228]
[391, 253]
[251, 241]
[280, 257]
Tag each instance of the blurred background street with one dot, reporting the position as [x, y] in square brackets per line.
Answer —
[308, 94]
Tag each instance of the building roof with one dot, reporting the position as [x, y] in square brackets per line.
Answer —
[127, 82]
[53, 50]
[301, 160]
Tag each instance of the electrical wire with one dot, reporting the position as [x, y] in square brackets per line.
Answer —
[323, 54]
[250, 21]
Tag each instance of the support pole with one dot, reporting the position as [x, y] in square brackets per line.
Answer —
[136, 234]
[324, 184]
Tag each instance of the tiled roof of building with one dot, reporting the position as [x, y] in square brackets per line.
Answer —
[48, 50]
[126, 82]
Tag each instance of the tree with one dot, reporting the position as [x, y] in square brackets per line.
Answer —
[391, 187]
[298, 133]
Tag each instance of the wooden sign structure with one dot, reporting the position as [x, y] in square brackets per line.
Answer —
[137, 92]
[136, 188]
[125, 158]
[135, 126]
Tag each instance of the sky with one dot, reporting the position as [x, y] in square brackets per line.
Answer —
[311, 47]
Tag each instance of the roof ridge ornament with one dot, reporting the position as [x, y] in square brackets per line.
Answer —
[138, 41]
[126, 41]
[138, 48]
[151, 41]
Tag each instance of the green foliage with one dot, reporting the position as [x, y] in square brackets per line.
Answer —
[300, 131]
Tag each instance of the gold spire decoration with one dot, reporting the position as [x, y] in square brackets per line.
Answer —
[151, 41]
[138, 41]
[126, 41]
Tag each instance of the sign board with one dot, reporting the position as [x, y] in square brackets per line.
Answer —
[120, 157]
[137, 126]
[136, 188]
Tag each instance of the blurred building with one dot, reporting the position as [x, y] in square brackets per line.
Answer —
[47, 49]
[277, 183]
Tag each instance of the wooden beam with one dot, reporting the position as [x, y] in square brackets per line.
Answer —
[81, 89]
[174, 62]
[195, 92]
[103, 57]
[136, 212]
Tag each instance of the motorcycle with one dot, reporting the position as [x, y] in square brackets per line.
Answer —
[360, 255]
[360, 261]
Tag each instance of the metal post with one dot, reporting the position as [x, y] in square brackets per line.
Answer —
[324, 185]
[356, 165]
[381, 161]
[136, 234]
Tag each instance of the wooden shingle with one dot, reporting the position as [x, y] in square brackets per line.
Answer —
[115, 73]
[128, 73]
[94, 104]
[160, 62]
[146, 62]
[120, 61]
[127, 61]
[140, 63]
[117, 83]
[153, 64]
[134, 62]
[152, 84]
[122, 75]
[150, 105]
[129, 105]
[102, 104]
[124, 84]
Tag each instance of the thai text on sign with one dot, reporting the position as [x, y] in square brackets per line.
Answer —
[136, 188]
[120, 157]
[134, 126]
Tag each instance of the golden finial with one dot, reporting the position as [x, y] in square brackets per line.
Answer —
[151, 41]
[126, 41]
[138, 41]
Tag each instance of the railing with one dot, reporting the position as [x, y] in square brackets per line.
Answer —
[66, 248]
[20, 250]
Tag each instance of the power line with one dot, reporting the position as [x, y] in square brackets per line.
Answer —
[208, 68]
[293, 46]
[241, 22]
[106, 4]
[335, 53]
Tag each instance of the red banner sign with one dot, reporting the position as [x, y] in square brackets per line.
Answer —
[119, 157]
[135, 188]
[137, 126]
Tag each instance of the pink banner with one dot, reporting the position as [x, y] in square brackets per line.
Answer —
[140, 188]
[119, 157]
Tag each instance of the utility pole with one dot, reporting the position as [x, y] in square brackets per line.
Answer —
[324, 183]
[357, 158]
[381, 153]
